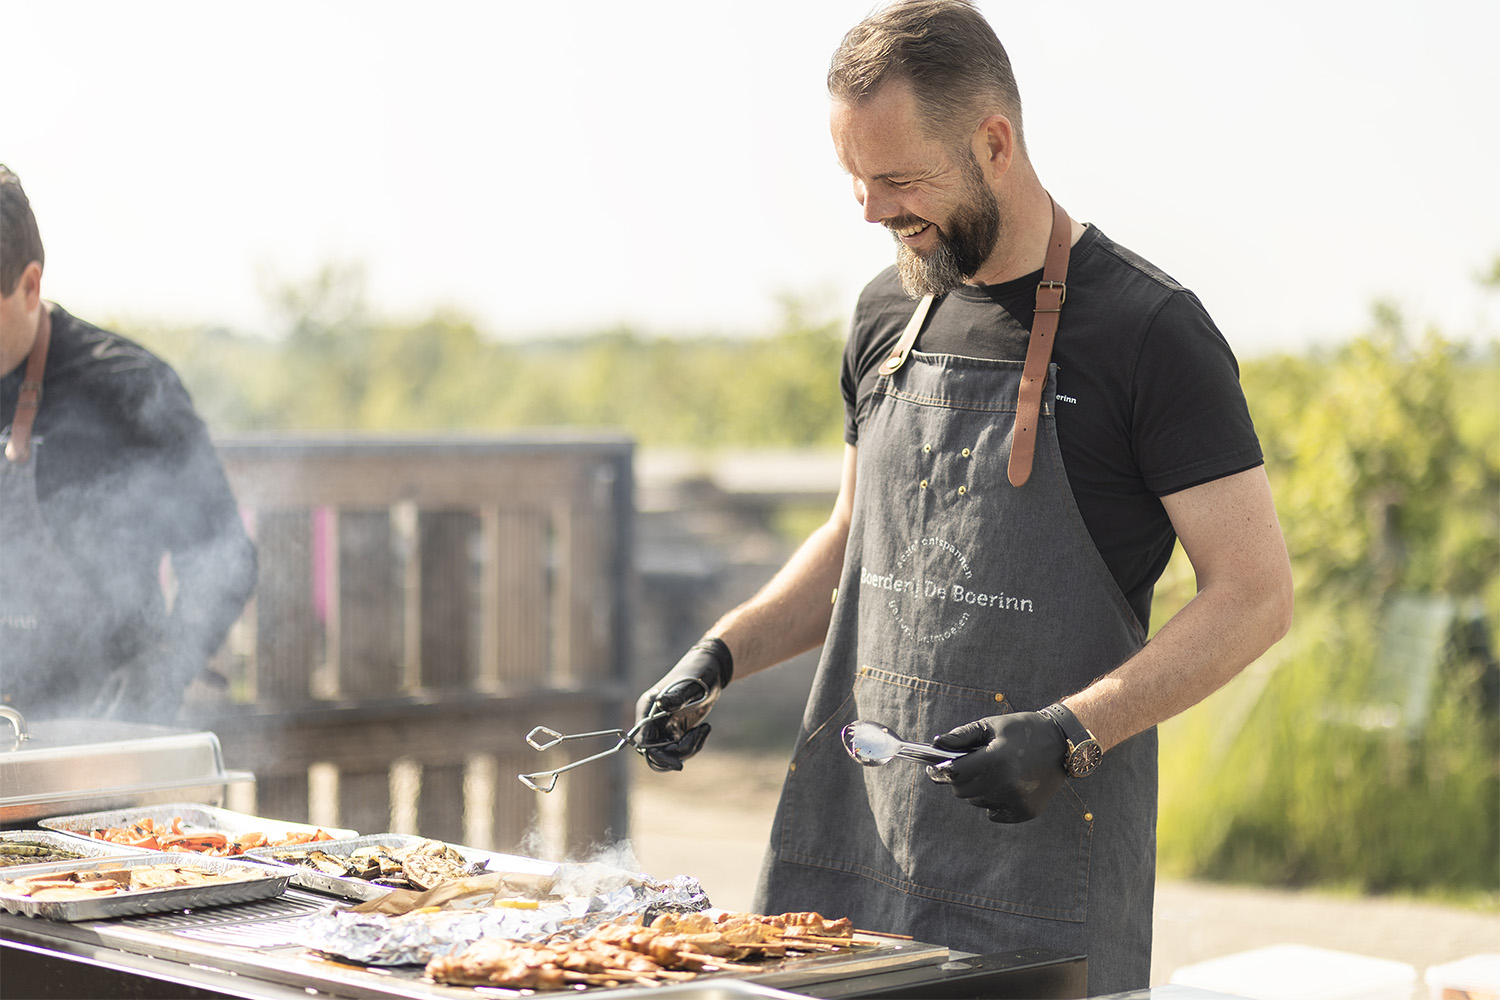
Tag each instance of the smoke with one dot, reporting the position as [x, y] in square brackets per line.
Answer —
[620, 854]
[125, 482]
[541, 842]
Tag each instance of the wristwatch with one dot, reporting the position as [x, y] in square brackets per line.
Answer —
[1084, 752]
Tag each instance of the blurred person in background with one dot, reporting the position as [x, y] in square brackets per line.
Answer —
[997, 536]
[108, 476]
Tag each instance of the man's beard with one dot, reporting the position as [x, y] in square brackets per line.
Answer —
[964, 242]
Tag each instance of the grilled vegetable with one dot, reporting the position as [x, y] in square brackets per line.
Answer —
[420, 866]
[23, 852]
[155, 836]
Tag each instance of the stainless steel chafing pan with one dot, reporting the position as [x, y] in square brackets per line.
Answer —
[57, 766]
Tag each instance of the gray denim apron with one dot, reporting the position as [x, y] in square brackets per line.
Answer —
[52, 633]
[963, 596]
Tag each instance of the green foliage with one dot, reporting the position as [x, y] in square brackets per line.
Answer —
[1386, 453]
[337, 367]
[1385, 460]
[1291, 775]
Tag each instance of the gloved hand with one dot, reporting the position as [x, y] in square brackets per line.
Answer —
[694, 682]
[148, 687]
[1014, 769]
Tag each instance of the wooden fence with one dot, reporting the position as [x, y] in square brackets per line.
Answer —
[423, 604]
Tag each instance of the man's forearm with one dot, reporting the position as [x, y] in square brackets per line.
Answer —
[1229, 530]
[1201, 649]
[790, 614]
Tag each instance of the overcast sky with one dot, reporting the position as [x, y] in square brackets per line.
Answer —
[561, 167]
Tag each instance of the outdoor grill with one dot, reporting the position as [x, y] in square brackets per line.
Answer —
[257, 947]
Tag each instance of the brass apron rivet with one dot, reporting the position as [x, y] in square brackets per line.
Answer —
[924, 484]
[926, 448]
[1089, 817]
[966, 453]
[962, 490]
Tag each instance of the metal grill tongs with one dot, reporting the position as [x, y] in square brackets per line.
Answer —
[545, 738]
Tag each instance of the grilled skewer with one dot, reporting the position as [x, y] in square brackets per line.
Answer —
[673, 947]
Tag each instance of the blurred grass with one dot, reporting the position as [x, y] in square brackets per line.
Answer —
[1301, 772]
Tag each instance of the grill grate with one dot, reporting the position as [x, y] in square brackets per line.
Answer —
[267, 934]
[262, 923]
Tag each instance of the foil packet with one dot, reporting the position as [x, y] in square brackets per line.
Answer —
[584, 897]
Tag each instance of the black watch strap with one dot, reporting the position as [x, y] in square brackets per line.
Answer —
[1083, 752]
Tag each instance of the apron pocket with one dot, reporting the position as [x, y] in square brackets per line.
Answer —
[896, 827]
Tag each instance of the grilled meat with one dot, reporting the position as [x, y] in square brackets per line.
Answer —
[674, 946]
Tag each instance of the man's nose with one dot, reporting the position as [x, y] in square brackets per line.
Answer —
[877, 207]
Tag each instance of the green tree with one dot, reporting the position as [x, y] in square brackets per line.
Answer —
[1383, 457]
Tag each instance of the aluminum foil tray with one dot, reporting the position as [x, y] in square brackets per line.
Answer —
[195, 818]
[354, 888]
[257, 882]
[85, 849]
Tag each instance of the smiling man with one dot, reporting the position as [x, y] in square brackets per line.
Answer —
[906, 183]
[1026, 443]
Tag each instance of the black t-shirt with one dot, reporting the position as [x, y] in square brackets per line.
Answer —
[1148, 393]
[125, 472]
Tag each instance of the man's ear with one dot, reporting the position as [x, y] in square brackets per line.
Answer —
[30, 286]
[995, 145]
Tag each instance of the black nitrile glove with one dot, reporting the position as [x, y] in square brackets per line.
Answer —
[1014, 769]
[694, 682]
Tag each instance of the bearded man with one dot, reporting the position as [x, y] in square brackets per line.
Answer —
[1025, 446]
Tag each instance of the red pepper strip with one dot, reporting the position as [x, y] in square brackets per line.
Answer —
[197, 841]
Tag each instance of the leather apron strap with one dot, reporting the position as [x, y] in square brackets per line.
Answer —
[898, 354]
[1051, 292]
[18, 448]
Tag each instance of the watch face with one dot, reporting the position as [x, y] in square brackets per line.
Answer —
[1083, 757]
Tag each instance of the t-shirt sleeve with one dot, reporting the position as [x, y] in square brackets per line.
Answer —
[880, 315]
[1191, 422]
[862, 350]
[849, 386]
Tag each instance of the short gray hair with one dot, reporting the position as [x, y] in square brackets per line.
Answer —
[945, 49]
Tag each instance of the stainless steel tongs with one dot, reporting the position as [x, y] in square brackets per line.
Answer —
[544, 738]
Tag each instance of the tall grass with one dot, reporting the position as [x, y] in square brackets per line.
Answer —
[1297, 774]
